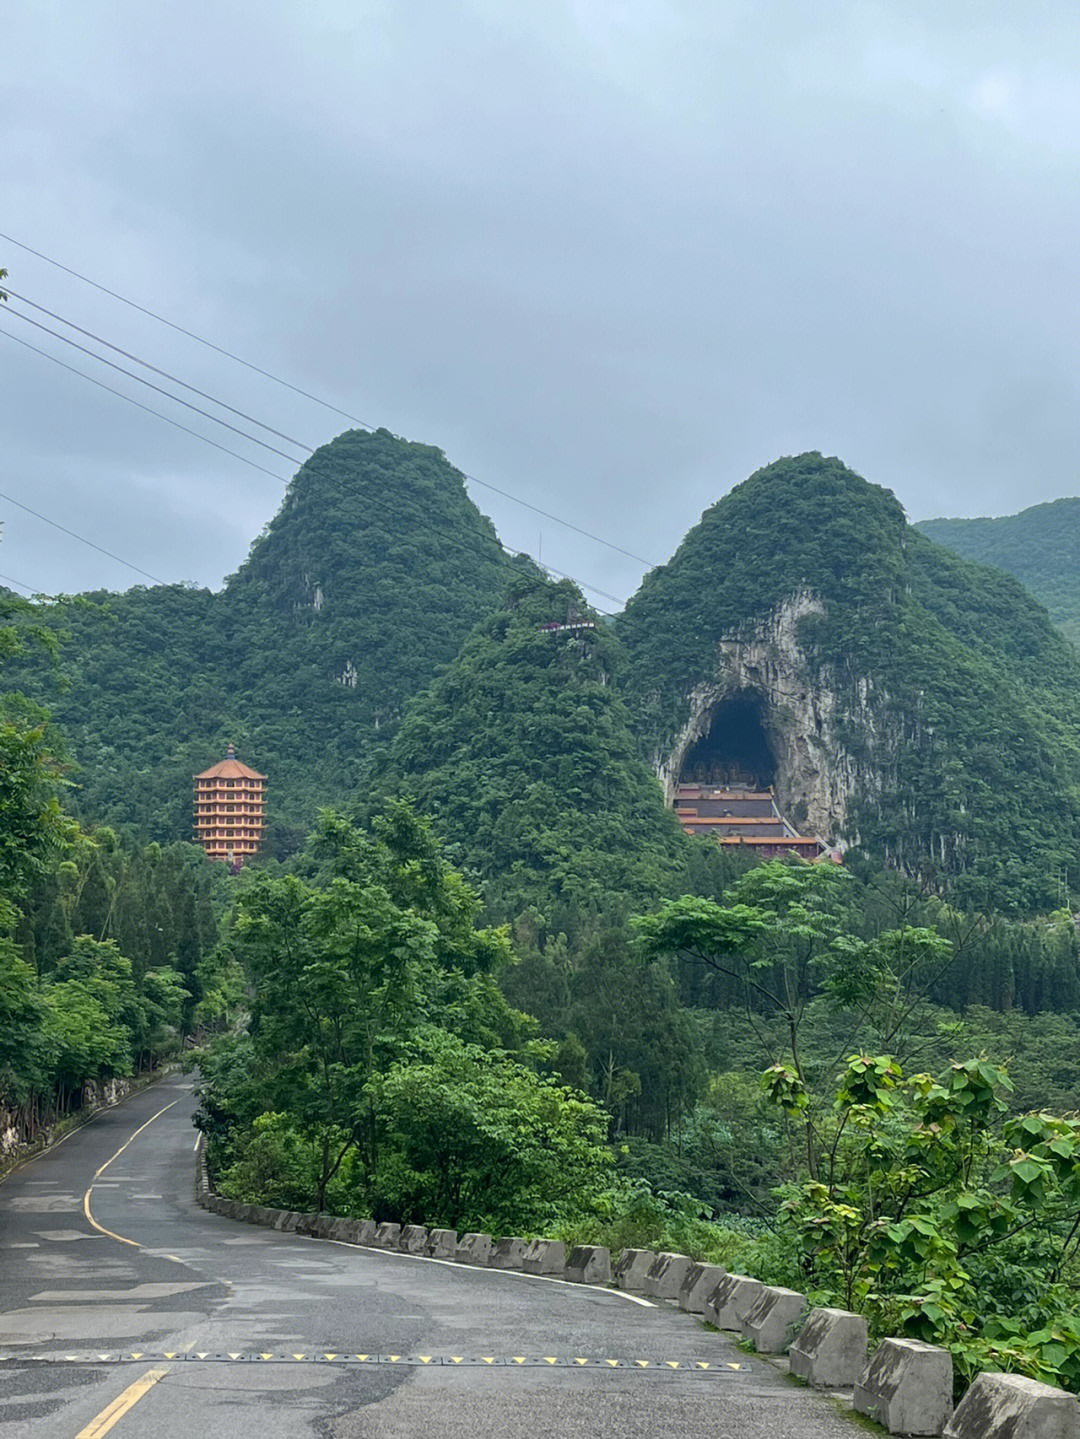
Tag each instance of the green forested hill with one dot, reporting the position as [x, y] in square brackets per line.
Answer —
[369, 577]
[935, 692]
[957, 703]
[522, 752]
[1040, 546]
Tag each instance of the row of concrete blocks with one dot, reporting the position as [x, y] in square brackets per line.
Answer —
[905, 1385]
[586, 1264]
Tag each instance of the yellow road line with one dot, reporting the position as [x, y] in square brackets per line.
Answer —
[99, 1172]
[120, 1406]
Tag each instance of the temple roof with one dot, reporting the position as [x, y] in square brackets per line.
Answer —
[230, 768]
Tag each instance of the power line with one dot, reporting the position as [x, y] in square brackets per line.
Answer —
[593, 589]
[191, 335]
[18, 584]
[300, 445]
[215, 419]
[57, 526]
[335, 409]
[139, 405]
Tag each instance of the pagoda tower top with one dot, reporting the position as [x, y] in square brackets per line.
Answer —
[230, 768]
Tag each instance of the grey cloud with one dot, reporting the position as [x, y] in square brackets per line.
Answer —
[611, 256]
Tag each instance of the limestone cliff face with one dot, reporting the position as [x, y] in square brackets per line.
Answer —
[804, 714]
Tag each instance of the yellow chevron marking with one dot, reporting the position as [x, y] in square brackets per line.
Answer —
[137, 1356]
[393, 1358]
[703, 1364]
[206, 1352]
[235, 1356]
[172, 1355]
[424, 1358]
[456, 1358]
[549, 1360]
[613, 1362]
[487, 1360]
[329, 1356]
[734, 1366]
[672, 1363]
[642, 1363]
[295, 1356]
[361, 1357]
[519, 1359]
[266, 1356]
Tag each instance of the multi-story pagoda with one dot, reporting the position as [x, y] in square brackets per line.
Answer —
[230, 810]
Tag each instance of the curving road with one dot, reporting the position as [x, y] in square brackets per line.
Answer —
[127, 1310]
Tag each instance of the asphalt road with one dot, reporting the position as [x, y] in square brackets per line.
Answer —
[125, 1302]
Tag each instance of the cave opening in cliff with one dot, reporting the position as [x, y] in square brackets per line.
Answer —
[734, 752]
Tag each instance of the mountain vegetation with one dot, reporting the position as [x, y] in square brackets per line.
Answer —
[959, 703]
[1040, 546]
[481, 978]
[107, 950]
[369, 578]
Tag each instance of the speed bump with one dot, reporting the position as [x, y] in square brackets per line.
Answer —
[711, 1368]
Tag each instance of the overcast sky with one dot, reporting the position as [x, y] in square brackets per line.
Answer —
[610, 255]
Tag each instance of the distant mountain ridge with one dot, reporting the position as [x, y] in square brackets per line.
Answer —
[919, 709]
[1040, 546]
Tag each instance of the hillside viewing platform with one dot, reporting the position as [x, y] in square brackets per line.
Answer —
[739, 816]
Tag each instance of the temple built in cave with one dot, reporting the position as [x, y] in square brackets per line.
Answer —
[725, 786]
[741, 816]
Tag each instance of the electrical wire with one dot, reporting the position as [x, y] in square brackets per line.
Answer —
[18, 584]
[593, 589]
[89, 334]
[139, 405]
[216, 419]
[75, 536]
[315, 399]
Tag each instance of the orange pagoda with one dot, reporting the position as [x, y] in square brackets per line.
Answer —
[230, 810]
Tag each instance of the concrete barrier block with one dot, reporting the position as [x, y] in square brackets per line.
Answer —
[731, 1301]
[305, 1224]
[665, 1276]
[631, 1267]
[906, 1387]
[442, 1244]
[776, 1314]
[830, 1349]
[388, 1236]
[1008, 1406]
[414, 1238]
[545, 1256]
[474, 1249]
[342, 1229]
[698, 1284]
[588, 1264]
[366, 1229]
[507, 1254]
[260, 1214]
[323, 1228]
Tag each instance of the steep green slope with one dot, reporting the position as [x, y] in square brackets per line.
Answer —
[367, 580]
[523, 754]
[1040, 546]
[935, 695]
